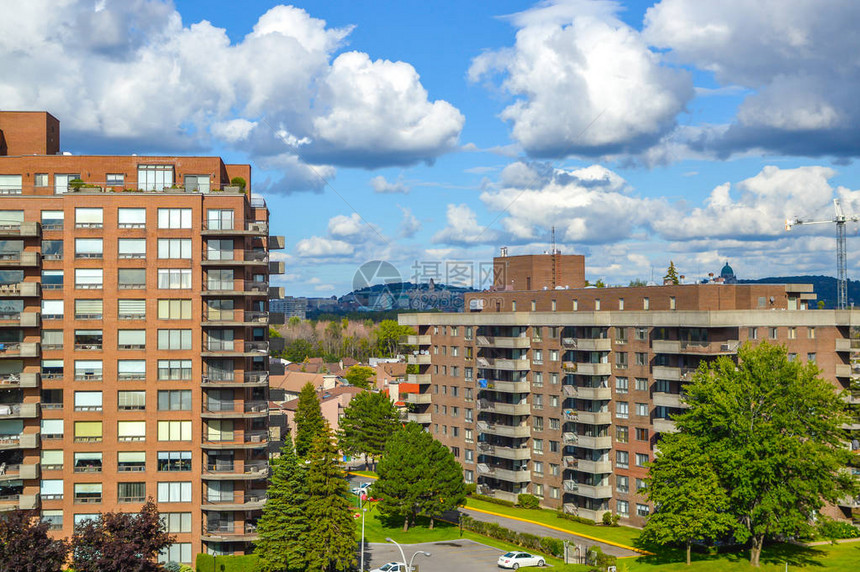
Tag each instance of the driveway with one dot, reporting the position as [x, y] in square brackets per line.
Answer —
[446, 556]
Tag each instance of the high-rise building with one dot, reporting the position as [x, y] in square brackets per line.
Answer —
[562, 391]
[133, 338]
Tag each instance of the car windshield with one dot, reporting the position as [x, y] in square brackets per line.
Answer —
[389, 566]
[509, 555]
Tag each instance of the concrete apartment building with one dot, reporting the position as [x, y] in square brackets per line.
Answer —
[133, 338]
[544, 386]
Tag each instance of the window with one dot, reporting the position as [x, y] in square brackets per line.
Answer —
[622, 507]
[554, 492]
[597, 304]
[131, 492]
[621, 385]
[131, 400]
[130, 461]
[219, 249]
[575, 305]
[88, 401]
[154, 177]
[222, 430]
[52, 369]
[553, 400]
[131, 309]
[641, 334]
[620, 335]
[177, 309]
[554, 423]
[131, 248]
[467, 435]
[553, 355]
[174, 218]
[467, 415]
[537, 401]
[52, 220]
[131, 339]
[219, 279]
[622, 433]
[175, 492]
[131, 430]
[792, 356]
[89, 278]
[220, 340]
[89, 217]
[752, 333]
[216, 310]
[115, 180]
[131, 369]
[175, 339]
[219, 219]
[810, 333]
[671, 302]
[642, 509]
[537, 446]
[537, 379]
[792, 333]
[88, 431]
[131, 278]
[52, 339]
[642, 409]
[641, 358]
[622, 459]
[641, 459]
[61, 182]
[621, 409]
[622, 484]
[89, 248]
[175, 430]
[641, 434]
[641, 384]
[553, 378]
[197, 184]
[52, 428]
[175, 370]
[553, 447]
[79, 518]
[52, 280]
[538, 467]
[88, 370]
[534, 305]
[621, 360]
[176, 522]
[640, 485]
[811, 357]
[174, 248]
[772, 332]
[538, 356]
[174, 461]
[175, 278]
[554, 469]
[175, 400]
[41, 180]
[537, 423]
[54, 518]
[88, 493]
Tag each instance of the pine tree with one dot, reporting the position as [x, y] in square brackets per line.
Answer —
[671, 276]
[403, 474]
[329, 542]
[283, 523]
[443, 488]
[308, 420]
[368, 421]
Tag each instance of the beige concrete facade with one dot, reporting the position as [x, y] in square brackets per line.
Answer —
[134, 355]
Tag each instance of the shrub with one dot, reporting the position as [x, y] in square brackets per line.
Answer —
[835, 530]
[471, 488]
[527, 501]
[596, 557]
[493, 500]
[575, 518]
[239, 182]
[551, 546]
[610, 519]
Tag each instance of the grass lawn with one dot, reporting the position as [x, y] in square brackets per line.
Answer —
[620, 534]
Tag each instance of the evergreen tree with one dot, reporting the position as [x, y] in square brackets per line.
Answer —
[671, 276]
[403, 473]
[329, 542]
[368, 422]
[443, 488]
[284, 524]
[25, 545]
[308, 420]
[683, 485]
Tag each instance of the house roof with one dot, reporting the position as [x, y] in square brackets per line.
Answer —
[294, 381]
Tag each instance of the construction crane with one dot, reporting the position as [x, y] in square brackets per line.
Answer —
[841, 258]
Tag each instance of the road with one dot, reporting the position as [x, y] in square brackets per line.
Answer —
[444, 556]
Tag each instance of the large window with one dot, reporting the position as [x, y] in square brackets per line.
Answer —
[174, 278]
[10, 184]
[219, 310]
[52, 368]
[174, 492]
[52, 339]
[88, 493]
[131, 248]
[174, 218]
[51, 489]
[154, 177]
[174, 369]
[61, 182]
[88, 431]
[131, 430]
[52, 249]
[52, 309]
[219, 340]
[88, 462]
[131, 400]
[174, 248]
[174, 339]
[88, 339]
[52, 429]
[131, 339]
[131, 309]
[89, 217]
[176, 552]
[174, 461]
[130, 461]
[131, 218]
[174, 309]
[176, 522]
[88, 370]
[219, 279]
[89, 278]
[52, 220]
[89, 309]
[174, 430]
[174, 400]
[131, 492]
[197, 183]
[219, 430]
[219, 219]
[219, 249]
[131, 278]
[52, 280]
[89, 248]
[88, 401]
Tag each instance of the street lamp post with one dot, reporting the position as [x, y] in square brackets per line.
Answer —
[402, 555]
[413, 558]
[401, 549]
[361, 508]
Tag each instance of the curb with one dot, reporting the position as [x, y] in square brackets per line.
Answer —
[594, 538]
[360, 475]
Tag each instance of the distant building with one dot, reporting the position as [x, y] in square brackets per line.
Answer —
[290, 307]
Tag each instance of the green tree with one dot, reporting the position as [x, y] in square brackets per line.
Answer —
[443, 488]
[637, 282]
[309, 421]
[284, 525]
[25, 545]
[368, 422]
[691, 503]
[360, 375]
[402, 474]
[600, 283]
[330, 540]
[388, 336]
[298, 350]
[671, 274]
[771, 428]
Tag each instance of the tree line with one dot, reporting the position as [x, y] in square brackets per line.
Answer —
[337, 339]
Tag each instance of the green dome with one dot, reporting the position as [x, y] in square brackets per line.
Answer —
[727, 271]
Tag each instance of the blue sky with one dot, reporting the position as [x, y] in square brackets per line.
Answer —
[437, 132]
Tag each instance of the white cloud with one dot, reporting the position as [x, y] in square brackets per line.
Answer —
[342, 226]
[410, 225]
[321, 247]
[143, 81]
[585, 83]
[463, 228]
[381, 185]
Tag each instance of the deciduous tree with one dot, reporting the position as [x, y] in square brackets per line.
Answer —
[360, 376]
[691, 503]
[368, 422]
[25, 545]
[283, 526]
[388, 336]
[308, 420]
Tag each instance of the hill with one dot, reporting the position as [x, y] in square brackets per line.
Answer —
[825, 287]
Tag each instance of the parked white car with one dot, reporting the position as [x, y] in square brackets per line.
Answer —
[515, 560]
[390, 567]
[362, 488]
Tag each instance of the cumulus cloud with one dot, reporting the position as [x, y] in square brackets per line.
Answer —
[382, 185]
[584, 82]
[463, 228]
[798, 61]
[144, 81]
[409, 225]
[321, 247]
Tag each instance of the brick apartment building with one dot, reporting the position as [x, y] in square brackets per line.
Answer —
[550, 388]
[133, 338]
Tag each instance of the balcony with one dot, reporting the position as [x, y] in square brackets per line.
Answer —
[505, 364]
[235, 258]
[661, 399]
[418, 398]
[19, 349]
[420, 359]
[521, 431]
[15, 472]
[593, 417]
[227, 471]
[19, 502]
[588, 466]
[229, 379]
[664, 372]
[664, 426]
[596, 393]
[20, 230]
[246, 501]
[589, 344]
[418, 417]
[695, 348]
[592, 368]
[501, 452]
[237, 440]
[589, 442]
[19, 410]
[20, 320]
[246, 288]
[20, 441]
[513, 342]
[843, 370]
[423, 340]
[229, 531]
[509, 386]
[594, 491]
[595, 515]
[13, 380]
[509, 475]
[19, 259]
[250, 228]
[234, 318]
[20, 290]
[505, 408]
[236, 410]
[419, 378]
[236, 349]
